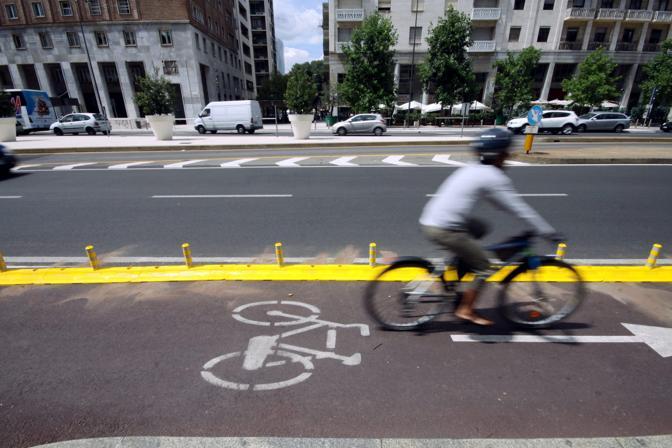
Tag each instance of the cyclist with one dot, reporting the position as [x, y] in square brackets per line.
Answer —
[446, 218]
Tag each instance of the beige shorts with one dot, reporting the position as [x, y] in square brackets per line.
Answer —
[462, 245]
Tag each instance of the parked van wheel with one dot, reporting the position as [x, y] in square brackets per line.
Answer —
[251, 131]
[200, 129]
[90, 131]
[240, 128]
[213, 131]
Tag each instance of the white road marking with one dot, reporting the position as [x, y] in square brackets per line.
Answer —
[530, 195]
[445, 158]
[291, 163]
[396, 160]
[11, 197]
[123, 166]
[258, 349]
[183, 164]
[213, 196]
[22, 167]
[515, 163]
[69, 167]
[331, 339]
[344, 161]
[237, 163]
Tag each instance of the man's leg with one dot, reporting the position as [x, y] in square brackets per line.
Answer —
[465, 309]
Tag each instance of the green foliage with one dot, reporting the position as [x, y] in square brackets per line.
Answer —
[595, 80]
[156, 96]
[301, 90]
[273, 89]
[658, 74]
[6, 108]
[447, 69]
[369, 63]
[514, 80]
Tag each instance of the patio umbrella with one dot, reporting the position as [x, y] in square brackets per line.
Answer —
[435, 107]
[539, 102]
[609, 105]
[477, 105]
[414, 105]
[562, 103]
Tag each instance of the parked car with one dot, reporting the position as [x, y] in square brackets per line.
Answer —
[362, 123]
[241, 116]
[603, 121]
[81, 122]
[666, 127]
[563, 121]
[7, 160]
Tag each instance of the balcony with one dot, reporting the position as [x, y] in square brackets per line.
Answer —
[567, 45]
[486, 13]
[610, 14]
[580, 13]
[652, 48]
[595, 45]
[349, 15]
[482, 46]
[340, 45]
[638, 15]
[626, 46]
[663, 17]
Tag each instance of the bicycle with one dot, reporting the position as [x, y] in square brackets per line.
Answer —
[417, 291]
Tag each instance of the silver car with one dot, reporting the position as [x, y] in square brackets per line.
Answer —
[362, 123]
[81, 122]
[603, 121]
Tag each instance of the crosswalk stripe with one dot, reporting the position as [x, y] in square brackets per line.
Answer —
[344, 161]
[123, 166]
[183, 164]
[396, 160]
[291, 162]
[74, 165]
[236, 163]
[445, 158]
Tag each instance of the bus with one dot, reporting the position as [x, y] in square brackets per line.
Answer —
[34, 111]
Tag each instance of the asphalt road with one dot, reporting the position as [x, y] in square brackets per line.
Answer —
[606, 211]
[131, 360]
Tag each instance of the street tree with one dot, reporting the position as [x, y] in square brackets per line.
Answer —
[273, 88]
[514, 79]
[594, 81]
[369, 64]
[658, 75]
[447, 68]
[301, 92]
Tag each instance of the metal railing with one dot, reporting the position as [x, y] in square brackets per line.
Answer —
[654, 48]
[595, 45]
[626, 46]
[580, 13]
[639, 15]
[349, 15]
[610, 14]
[486, 13]
[483, 46]
[663, 16]
[568, 45]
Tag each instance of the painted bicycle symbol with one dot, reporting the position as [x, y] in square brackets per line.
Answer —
[268, 361]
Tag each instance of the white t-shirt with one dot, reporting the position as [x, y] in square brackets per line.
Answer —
[457, 196]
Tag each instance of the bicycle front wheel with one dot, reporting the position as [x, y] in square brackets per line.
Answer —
[406, 295]
[541, 296]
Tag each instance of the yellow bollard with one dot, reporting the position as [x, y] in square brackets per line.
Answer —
[529, 138]
[560, 252]
[3, 265]
[653, 255]
[93, 258]
[372, 254]
[278, 254]
[186, 251]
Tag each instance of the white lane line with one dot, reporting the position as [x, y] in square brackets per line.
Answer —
[344, 161]
[182, 164]
[209, 196]
[69, 167]
[443, 158]
[291, 163]
[530, 195]
[123, 166]
[396, 160]
[11, 197]
[237, 163]
[516, 163]
[22, 167]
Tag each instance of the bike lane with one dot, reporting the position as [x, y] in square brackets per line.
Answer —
[235, 359]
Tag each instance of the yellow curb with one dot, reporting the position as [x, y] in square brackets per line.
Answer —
[267, 272]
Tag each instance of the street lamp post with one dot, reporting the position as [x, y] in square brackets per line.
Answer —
[88, 57]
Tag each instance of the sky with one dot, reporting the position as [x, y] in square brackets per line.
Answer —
[298, 25]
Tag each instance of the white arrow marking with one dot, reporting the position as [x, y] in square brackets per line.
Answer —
[396, 160]
[291, 163]
[182, 164]
[658, 338]
[236, 163]
[74, 165]
[446, 159]
[123, 166]
[344, 161]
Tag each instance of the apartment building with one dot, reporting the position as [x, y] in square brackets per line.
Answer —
[566, 31]
[244, 39]
[263, 39]
[46, 45]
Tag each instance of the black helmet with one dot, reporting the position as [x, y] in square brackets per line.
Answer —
[491, 144]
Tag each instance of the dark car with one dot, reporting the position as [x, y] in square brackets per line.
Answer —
[7, 160]
[666, 127]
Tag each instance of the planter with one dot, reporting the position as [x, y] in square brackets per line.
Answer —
[8, 129]
[162, 126]
[330, 120]
[301, 125]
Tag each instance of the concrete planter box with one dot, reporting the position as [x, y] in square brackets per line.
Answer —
[162, 126]
[8, 129]
[301, 125]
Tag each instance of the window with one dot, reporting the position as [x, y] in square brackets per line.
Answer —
[212, 49]
[10, 10]
[19, 43]
[66, 9]
[415, 35]
[608, 4]
[417, 5]
[197, 39]
[635, 4]
[73, 39]
[124, 7]
[45, 40]
[101, 38]
[655, 36]
[628, 35]
[572, 34]
[519, 4]
[94, 7]
[38, 9]
[170, 68]
[166, 38]
[129, 39]
[600, 34]
[578, 3]
[543, 34]
[205, 46]
[514, 34]
[548, 5]
[344, 34]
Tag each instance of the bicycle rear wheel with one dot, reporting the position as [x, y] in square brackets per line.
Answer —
[406, 295]
[539, 297]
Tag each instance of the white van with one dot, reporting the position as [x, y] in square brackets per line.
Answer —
[242, 116]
